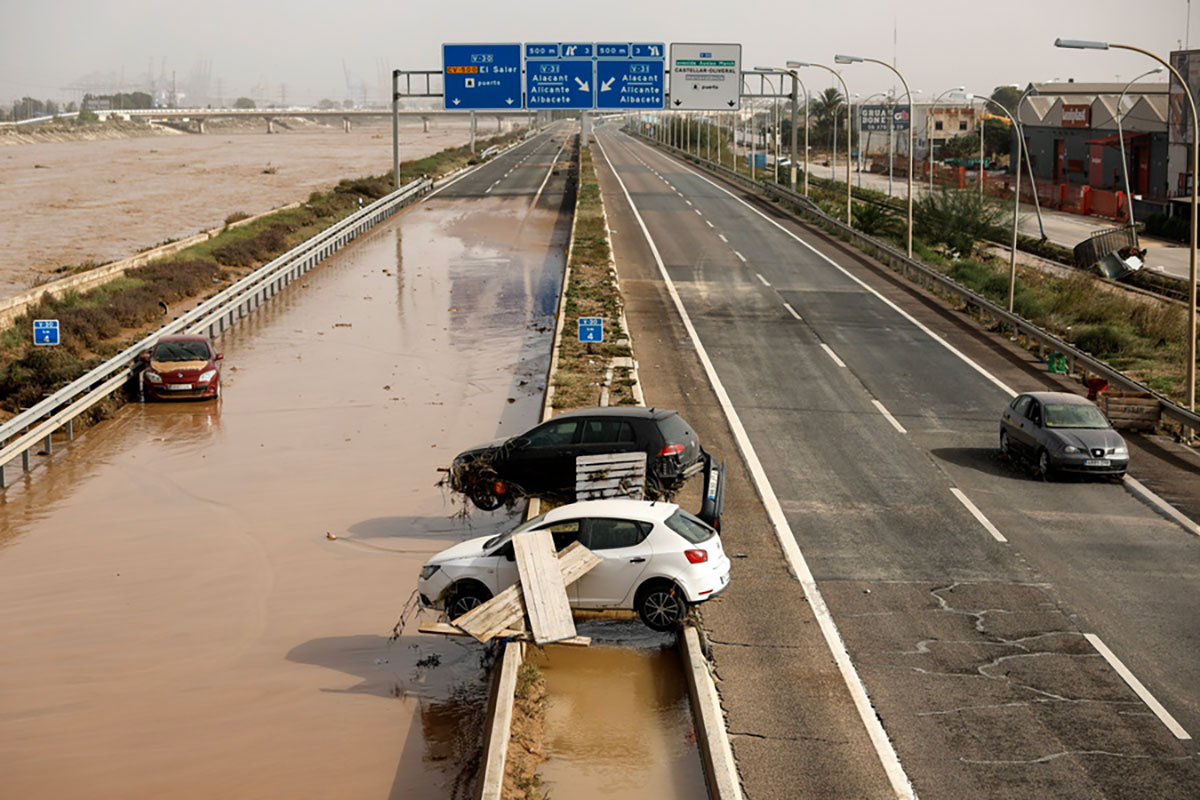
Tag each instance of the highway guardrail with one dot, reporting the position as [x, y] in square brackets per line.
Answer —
[1077, 360]
[37, 425]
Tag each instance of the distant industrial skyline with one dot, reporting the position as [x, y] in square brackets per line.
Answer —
[308, 51]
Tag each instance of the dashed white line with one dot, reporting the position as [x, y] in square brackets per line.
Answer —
[765, 282]
[709, 223]
[901, 785]
[698, 212]
[1141, 691]
[829, 352]
[739, 255]
[888, 416]
[791, 310]
[975, 512]
[721, 236]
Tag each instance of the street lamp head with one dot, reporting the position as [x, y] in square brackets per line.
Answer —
[764, 69]
[1080, 44]
[844, 59]
[797, 64]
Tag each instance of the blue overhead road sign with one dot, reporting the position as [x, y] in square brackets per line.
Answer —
[559, 82]
[591, 329]
[625, 82]
[482, 76]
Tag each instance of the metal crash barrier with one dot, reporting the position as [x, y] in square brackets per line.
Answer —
[35, 427]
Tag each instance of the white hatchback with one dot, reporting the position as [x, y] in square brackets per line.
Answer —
[657, 559]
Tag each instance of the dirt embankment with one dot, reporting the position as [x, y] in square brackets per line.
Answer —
[92, 201]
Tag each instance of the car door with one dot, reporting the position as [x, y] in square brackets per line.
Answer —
[1013, 421]
[604, 435]
[1032, 430]
[624, 552]
[543, 460]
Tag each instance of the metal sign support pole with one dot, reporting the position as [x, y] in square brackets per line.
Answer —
[395, 129]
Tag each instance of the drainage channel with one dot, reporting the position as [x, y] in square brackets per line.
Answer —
[618, 721]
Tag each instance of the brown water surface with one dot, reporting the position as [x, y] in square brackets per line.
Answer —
[619, 722]
[175, 619]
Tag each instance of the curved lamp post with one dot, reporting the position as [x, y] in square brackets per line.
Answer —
[1121, 142]
[1077, 44]
[1012, 255]
[846, 94]
[929, 127]
[844, 59]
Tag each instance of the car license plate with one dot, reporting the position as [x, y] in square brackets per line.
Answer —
[1098, 462]
[179, 387]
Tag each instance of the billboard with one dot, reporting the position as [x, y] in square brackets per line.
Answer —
[875, 118]
[1179, 120]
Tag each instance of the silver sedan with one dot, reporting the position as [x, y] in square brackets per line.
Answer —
[1061, 432]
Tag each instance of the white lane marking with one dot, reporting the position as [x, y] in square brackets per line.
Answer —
[901, 786]
[739, 255]
[689, 202]
[698, 212]
[963, 356]
[1138, 489]
[791, 310]
[722, 237]
[975, 512]
[709, 223]
[888, 416]
[493, 186]
[765, 282]
[1141, 691]
[829, 352]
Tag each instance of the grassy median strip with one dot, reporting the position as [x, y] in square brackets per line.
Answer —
[97, 324]
[592, 291]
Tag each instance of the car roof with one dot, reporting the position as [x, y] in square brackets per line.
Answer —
[637, 412]
[1060, 397]
[646, 510]
[183, 337]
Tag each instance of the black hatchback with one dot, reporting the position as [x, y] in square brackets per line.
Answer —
[541, 461]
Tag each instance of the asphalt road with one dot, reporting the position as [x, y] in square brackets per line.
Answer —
[975, 650]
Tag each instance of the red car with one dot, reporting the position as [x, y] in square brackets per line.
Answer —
[180, 367]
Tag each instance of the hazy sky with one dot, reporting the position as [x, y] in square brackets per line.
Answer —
[48, 46]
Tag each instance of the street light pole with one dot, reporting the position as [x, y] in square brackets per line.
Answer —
[1121, 142]
[795, 120]
[849, 128]
[844, 59]
[1012, 255]
[929, 128]
[1195, 165]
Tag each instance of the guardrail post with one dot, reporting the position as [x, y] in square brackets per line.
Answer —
[70, 430]
[25, 460]
[3, 482]
[49, 443]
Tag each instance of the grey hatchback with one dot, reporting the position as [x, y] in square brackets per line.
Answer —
[1062, 432]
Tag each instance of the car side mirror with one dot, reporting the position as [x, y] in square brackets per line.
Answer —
[219, 357]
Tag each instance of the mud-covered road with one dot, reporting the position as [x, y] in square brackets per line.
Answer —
[195, 599]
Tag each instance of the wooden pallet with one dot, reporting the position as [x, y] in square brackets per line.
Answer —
[610, 475]
[1134, 411]
[486, 621]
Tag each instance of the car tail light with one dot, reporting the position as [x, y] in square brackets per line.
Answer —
[671, 450]
[499, 488]
[696, 556]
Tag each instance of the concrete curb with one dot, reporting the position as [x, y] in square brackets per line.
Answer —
[500, 722]
[720, 769]
[1147, 496]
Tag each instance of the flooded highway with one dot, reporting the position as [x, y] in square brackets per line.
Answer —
[196, 599]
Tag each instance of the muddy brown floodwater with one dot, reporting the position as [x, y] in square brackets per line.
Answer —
[619, 722]
[176, 619]
[68, 203]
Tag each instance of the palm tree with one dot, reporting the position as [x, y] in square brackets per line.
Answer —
[824, 109]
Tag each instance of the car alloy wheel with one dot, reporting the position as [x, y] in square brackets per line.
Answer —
[466, 598]
[1044, 468]
[1005, 445]
[660, 607]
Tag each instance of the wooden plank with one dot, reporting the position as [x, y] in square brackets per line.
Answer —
[546, 601]
[610, 475]
[446, 629]
[485, 621]
[611, 458]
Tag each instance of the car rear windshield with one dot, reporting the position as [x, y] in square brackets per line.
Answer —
[1074, 416]
[690, 527]
[181, 351]
[675, 430]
